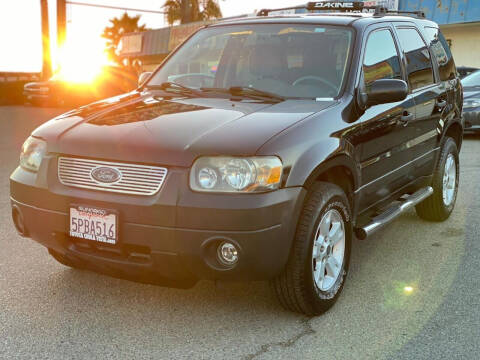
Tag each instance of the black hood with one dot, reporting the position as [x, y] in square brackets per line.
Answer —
[171, 131]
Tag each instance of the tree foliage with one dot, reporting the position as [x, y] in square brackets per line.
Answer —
[185, 11]
[118, 27]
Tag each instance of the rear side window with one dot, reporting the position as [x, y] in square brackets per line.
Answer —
[381, 58]
[419, 64]
[442, 53]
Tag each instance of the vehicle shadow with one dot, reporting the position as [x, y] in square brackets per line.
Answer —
[227, 321]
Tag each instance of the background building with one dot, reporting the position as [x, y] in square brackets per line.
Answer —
[458, 19]
[460, 23]
[147, 49]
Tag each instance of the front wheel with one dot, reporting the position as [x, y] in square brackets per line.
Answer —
[316, 270]
[439, 206]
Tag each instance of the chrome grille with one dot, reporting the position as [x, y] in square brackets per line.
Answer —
[135, 179]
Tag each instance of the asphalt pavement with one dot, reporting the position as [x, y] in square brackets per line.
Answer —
[412, 293]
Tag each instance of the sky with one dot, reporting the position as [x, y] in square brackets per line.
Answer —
[20, 27]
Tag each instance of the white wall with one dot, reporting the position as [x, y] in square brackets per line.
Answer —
[465, 43]
[20, 36]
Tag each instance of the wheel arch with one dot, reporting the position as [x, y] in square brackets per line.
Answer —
[329, 160]
[339, 170]
[455, 131]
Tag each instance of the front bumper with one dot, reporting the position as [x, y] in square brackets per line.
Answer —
[171, 236]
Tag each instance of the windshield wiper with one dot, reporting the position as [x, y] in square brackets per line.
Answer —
[247, 92]
[175, 87]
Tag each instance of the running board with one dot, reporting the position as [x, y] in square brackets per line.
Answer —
[393, 212]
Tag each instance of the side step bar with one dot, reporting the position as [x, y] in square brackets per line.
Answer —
[393, 212]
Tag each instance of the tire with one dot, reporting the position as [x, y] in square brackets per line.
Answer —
[436, 208]
[63, 260]
[297, 288]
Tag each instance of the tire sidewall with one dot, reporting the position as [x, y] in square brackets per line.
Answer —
[449, 147]
[322, 300]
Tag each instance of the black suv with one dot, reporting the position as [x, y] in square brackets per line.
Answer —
[257, 151]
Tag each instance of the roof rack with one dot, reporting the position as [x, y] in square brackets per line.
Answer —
[344, 7]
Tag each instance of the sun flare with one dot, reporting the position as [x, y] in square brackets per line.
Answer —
[81, 63]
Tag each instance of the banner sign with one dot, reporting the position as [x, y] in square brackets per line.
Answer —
[333, 5]
[389, 4]
[130, 44]
[282, 12]
[351, 6]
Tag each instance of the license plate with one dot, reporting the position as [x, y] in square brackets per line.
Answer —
[94, 224]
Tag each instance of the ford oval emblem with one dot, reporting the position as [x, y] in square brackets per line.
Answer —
[106, 175]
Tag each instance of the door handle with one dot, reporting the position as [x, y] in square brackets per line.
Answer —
[406, 118]
[441, 103]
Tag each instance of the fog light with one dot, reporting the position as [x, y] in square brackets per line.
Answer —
[18, 221]
[227, 254]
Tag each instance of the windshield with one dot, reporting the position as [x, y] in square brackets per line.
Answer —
[292, 61]
[472, 79]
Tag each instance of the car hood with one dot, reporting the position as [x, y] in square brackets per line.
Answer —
[170, 131]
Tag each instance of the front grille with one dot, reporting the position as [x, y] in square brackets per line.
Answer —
[134, 180]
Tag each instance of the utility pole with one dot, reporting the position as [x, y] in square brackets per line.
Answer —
[47, 62]
[61, 23]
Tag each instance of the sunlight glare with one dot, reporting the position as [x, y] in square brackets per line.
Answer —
[79, 62]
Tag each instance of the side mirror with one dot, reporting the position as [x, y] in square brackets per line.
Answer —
[143, 77]
[385, 91]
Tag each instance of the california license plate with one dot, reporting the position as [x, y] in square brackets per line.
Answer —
[94, 224]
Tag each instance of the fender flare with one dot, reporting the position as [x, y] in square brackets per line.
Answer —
[456, 121]
[320, 158]
[340, 160]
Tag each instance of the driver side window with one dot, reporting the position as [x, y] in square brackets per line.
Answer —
[381, 59]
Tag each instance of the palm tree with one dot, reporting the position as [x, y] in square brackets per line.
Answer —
[119, 27]
[186, 11]
[173, 11]
[211, 10]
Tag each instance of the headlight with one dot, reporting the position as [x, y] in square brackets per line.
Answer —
[234, 174]
[32, 153]
[470, 104]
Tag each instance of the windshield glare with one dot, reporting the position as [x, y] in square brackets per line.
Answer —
[472, 79]
[293, 61]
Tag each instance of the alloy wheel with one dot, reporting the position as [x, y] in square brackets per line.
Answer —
[328, 250]
[449, 180]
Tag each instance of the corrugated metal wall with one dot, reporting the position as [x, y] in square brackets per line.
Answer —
[151, 42]
[445, 11]
[156, 42]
